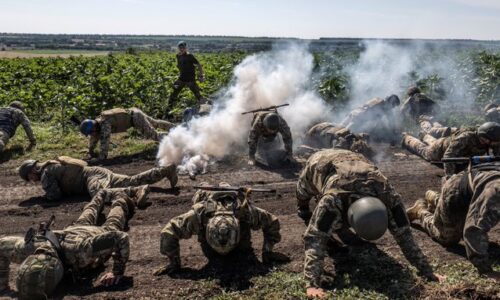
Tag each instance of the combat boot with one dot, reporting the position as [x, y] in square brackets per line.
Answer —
[139, 195]
[172, 175]
[431, 199]
[416, 210]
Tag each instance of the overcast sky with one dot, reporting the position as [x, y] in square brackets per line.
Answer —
[468, 19]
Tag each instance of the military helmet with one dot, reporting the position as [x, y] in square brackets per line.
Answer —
[393, 100]
[368, 217]
[87, 126]
[26, 168]
[17, 104]
[181, 44]
[39, 274]
[413, 90]
[490, 130]
[223, 233]
[272, 122]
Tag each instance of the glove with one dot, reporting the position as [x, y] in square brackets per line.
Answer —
[171, 268]
[268, 257]
[305, 214]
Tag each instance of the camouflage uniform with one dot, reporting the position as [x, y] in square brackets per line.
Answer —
[63, 178]
[10, 119]
[258, 131]
[468, 207]
[119, 120]
[337, 178]
[376, 117]
[327, 135]
[83, 245]
[205, 206]
[463, 143]
[419, 104]
[492, 113]
[434, 129]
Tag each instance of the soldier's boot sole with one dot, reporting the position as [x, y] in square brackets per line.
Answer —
[416, 210]
[141, 196]
[431, 198]
[172, 175]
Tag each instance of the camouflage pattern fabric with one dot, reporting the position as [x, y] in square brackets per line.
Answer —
[493, 114]
[83, 244]
[338, 178]
[435, 129]
[10, 119]
[419, 104]
[92, 179]
[138, 119]
[468, 207]
[432, 152]
[207, 204]
[259, 131]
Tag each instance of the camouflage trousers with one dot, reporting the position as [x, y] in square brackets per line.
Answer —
[432, 152]
[101, 178]
[4, 139]
[435, 129]
[147, 126]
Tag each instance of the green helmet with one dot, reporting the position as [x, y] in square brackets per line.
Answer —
[26, 168]
[39, 274]
[490, 130]
[272, 122]
[393, 100]
[223, 233]
[17, 104]
[368, 217]
[413, 90]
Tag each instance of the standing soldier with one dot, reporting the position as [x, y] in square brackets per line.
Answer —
[418, 104]
[46, 255]
[265, 126]
[119, 120]
[467, 208]
[326, 135]
[376, 117]
[465, 142]
[10, 118]
[223, 221]
[186, 63]
[67, 176]
[351, 191]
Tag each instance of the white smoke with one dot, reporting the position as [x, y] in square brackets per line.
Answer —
[261, 80]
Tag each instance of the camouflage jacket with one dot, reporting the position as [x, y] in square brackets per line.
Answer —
[195, 220]
[110, 121]
[11, 118]
[338, 178]
[258, 131]
[419, 104]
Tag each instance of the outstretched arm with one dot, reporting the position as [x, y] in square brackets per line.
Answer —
[286, 135]
[270, 225]
[27, 128]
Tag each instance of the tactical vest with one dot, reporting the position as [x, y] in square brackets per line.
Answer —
[6, 121]
[72, 180]
[119, 118]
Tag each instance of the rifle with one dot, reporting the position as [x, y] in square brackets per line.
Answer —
[274, 107]
[43, 228]
[474, 160]
[233, 189]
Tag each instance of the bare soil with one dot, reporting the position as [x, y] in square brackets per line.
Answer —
[22, 206]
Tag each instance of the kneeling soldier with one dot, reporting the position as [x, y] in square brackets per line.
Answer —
[223, 221]
[68, 176]
[351, 192]
[467, 208]
[119, 120]
[47, 255]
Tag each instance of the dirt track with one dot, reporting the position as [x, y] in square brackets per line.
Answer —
[22, 206]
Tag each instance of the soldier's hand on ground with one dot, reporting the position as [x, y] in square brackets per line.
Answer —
[166, 270]
[251, 162]
[314, 292]
[305, 214]
[110, 279]
[268, 257]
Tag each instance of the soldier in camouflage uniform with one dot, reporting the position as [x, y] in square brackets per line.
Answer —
[265, 126]
[119, 120]
[467, 208]
[223, 221]
[418, 104]
[433, 128]
[68, 176]
[465, 142]
[327, 135]
[338, 179]
[492, 112]
[48, 254]
[10, 118]
[376, 118]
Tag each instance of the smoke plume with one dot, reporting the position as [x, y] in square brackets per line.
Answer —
[261, 80]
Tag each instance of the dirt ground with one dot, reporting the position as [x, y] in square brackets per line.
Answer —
[22, 206]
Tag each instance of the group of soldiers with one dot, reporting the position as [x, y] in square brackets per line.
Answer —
[350, 192]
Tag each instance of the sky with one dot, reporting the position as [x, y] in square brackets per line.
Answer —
[441, 19]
